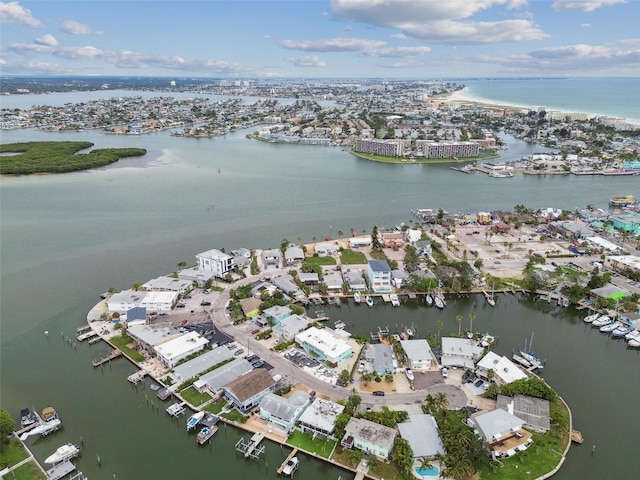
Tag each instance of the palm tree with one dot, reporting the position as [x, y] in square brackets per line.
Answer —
[181, 264]
[439, 326]
[431, 403]
[441, 400]
[491, 374]
[459, 319]
[425, 464]
[472, 317]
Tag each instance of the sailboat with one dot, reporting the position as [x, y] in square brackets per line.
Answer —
[439, 302]
[490, 298]
[429, 299]
[531, 357]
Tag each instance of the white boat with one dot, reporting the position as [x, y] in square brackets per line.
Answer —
[44, 429]
[590, 318]
[395, 301]
[601, 321]
[521, 360]
[206, 433]
[194, 420]
[439, 302]
[409, 373]
[633, 335]
[27, 418]
[635, 343]
[369, 300]
[621, 331]
[429, 299]
[357, 297]
[491, 301]
[290, 467]
[487, 340]
[502, 174]
[409, 332]
[339, 325]
[63, 453]
[610, 327]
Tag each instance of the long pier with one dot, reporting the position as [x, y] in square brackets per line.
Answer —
[284, 464]
[114, 354]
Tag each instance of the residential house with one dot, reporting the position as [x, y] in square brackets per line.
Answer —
[293, 254]
[398, 277]
[502, 431]
[310, 278]
[369, 437]
[360, 241]
[284, 412]
[202, 363]
[421, 431]
[460, 352]
[324, 345]
[289, 327]
[214, 261]
[277, 313]
[320, 417]
[325, 249]
[271, 257]
[168, 284]
[380, 356]
[504, 370]
[534, 411]
[423, 248]
[392, 239]
[173, 351]
[215, 380]
[354, 278]
[286, 283]
[419, 354]
[152, 301]
[149, 336]
[333, 280]
[379, 276]
[246, 392]
[250, 306]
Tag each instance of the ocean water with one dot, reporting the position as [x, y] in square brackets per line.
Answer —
[619, 97]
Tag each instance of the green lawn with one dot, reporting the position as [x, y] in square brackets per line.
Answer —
[216, 407]
[28, 471]
[349, 257]
[121, 343]
[12, 453]
[320, 260]
[322, 446]
[234, 416]
[194, 397]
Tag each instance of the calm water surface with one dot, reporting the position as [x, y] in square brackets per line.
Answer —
[65, 239]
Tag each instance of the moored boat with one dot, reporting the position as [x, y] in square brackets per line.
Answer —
[439, 302]
[27, 418]
[369, 301]
[429, 299]
[206, 433]
[487, 340]
[339, 325]
[601, 321]
[395, 301]
[622, 201]
[291, 466]
[621, 331]
[635, 343]
[591, 318]
[194, 419]
[357, 297]
[63, 453]
[610, 327]
[409, 373]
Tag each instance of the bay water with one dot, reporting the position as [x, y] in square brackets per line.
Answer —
[67, 238]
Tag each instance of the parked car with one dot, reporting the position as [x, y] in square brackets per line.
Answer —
[445, 373]
[479, 383]
[180, 305]
[254, 331]
[378, 393]
[205, 304]
[238, 352]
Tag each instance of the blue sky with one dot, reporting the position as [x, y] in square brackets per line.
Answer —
[321, 38]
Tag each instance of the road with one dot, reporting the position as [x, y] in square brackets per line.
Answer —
[455, 396]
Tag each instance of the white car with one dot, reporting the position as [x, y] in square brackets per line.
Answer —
[444, 371]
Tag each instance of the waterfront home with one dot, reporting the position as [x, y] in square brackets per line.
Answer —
[320, 417]
[392, 239]
[502, 431]
[135, 316]
[277, 313]
[271, 257]
[325, 249]
[250, 307]
[285, 283]
[293, 254]
[380, 356]
[504, 370]
[324, 345]
[412, 235]
[398, 277]
[610, 291]
[419, 354]
[354, 279]
[572, 230]
[627, 222]
[460, 352]
[282, 412]
[150, 336]
[289, 327]
[167, 284]
[246, 392]
[215, 380]
[241, 257]
[359, 241]
[423, 248]
[534, 411]
[333, 280]
[421, 431]
[172, 351]
[152, 301]
[215, 262]
[194, 274]
[310, 278]
[201, 363]
[369, 437]
[379, 275]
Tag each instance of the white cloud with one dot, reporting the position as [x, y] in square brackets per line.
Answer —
[47, 39]
[37, 68]
[332, 45]
[586, 25]
[397, 52]
[401, 65]
[306, 61]
[586, 5]
[438, 21]
[76, 28]
[12, 12]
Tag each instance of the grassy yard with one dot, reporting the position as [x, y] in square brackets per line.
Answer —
[234, 416]
[216, 407]
[13, 453]
[321, 446]
[349, 257]
[194, 397]
[121, 343]
[320, 260]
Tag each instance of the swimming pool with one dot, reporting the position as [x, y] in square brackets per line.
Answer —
[427, 472]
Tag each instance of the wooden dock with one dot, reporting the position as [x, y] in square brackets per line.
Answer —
[114, 354]
[256, 439]
[576, 436]
[60, 470]
[86, 335]
[284, 464]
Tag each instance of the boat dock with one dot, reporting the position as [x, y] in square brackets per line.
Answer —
[252, 449]
[576, 436]
[86, 335]
[60, 470]
[177, 409]
[83, 329]
[137, 377]
[114, 354]
[284, 464]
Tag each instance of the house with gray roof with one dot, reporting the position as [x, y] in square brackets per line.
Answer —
[202, 363]
[380, 356]
[320, 417]
[286, 284]
[168, 284]
[271, 257]
[369, 437]
[282, 411]
[460, 352]
[333, 280]
[419, 354]
[534, 411]
[150, 336]
[291, 326]
[496, 424]
[218, 378]
[246, 392]
[293, 254]
[421, 431]
[355, 279]
[310, 278]
[277, 313]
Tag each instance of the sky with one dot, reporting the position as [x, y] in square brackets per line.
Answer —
[321, 38]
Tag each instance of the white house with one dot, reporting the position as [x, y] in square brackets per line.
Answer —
[360, 241]
[152, 301]
[419, 354]
[293, 254]
[460, 352]
[504, 370]
[324, 346]
[379, 276]
[216, 262]
[168, 284]
[172, 351]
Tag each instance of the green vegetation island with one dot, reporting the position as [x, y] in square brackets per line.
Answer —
[58, 157]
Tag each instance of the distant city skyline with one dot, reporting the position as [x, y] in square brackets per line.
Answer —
[321, 38]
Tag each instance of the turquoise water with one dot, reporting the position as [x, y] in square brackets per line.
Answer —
[427, 472]
[618, 97]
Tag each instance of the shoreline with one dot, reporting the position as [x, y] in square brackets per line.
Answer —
[463, 96]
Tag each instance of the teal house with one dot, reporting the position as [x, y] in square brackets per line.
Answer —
[627, 222]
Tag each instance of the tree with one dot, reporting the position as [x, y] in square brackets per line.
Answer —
[355, 456]
[425, 464]
[439, 326]
[345, 377]
[7, 425]
[373, 462]
[472, 317]
[181, 264]
[459, 319]
[340, 233]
